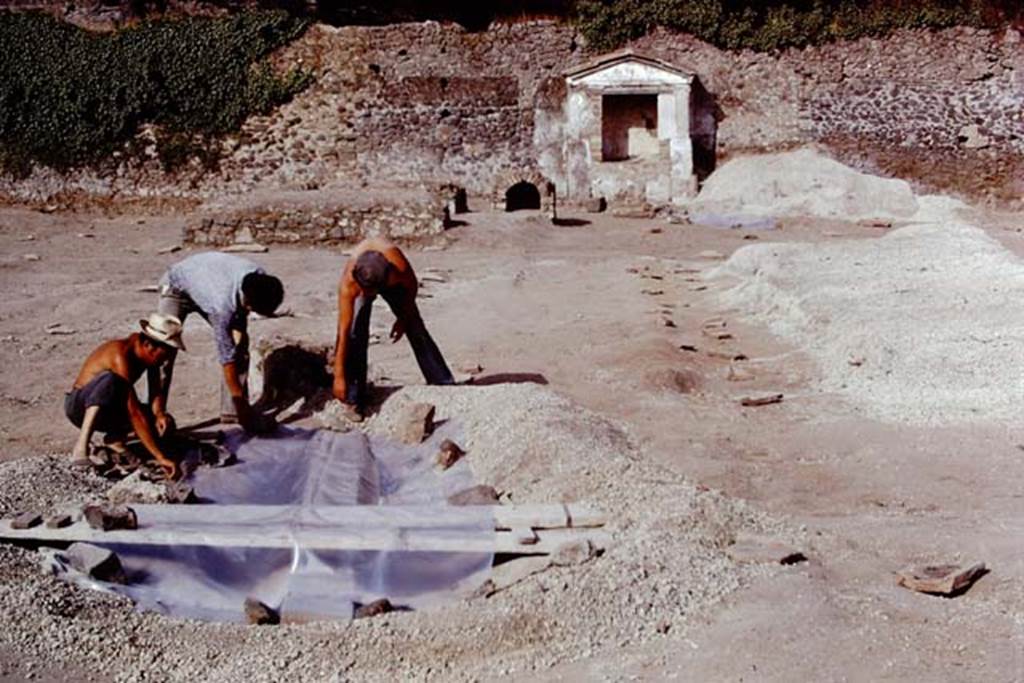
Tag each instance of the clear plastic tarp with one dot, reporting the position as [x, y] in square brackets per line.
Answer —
[271, 526]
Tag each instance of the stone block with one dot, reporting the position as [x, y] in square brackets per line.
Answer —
[109, 518]
[481, 494]
[573, 553]
[27, 520]
[180, 493]
[372, 609]
[449, 454]
[258, 613]
[135, 489]
[415, 423]
[99, 563]
[59, 521]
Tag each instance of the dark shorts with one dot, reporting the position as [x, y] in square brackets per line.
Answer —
[108, 391]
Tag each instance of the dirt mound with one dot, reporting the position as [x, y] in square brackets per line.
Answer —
[667, 565]
[802, 182]
[911, 327]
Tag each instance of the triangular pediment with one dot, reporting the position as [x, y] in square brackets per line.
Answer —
[624, 69]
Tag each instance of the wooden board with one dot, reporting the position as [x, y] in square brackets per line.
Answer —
[355, 527]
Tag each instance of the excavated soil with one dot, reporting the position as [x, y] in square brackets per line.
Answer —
[614, 355]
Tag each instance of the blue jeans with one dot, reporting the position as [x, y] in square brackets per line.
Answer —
[179, 304]
[428, 356]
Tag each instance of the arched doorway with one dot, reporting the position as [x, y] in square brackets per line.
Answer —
[522, 195]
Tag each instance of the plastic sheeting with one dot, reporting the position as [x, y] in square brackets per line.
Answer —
[304, 471]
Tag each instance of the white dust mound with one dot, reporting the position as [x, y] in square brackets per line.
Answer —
[915, 327]
[802, 182]
[665, 566]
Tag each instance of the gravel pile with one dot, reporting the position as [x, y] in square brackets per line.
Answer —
[665, 567]
[802, 182]
[914, 327]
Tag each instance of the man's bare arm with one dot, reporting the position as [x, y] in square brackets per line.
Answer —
[140, 423]
[346, 311]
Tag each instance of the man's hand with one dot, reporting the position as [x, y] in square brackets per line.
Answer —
[170, 468]
[397, 330]
[165, 424]
[80, 451]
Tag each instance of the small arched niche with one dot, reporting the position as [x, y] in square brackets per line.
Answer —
[522, 195]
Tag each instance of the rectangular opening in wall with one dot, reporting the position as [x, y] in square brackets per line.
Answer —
[629, 127]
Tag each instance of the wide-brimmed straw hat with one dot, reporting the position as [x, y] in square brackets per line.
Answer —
[165, 329]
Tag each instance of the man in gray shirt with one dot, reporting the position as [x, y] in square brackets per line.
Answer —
[222, 288]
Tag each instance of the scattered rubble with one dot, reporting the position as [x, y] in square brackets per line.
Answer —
[59, 520]
[251, 248]
[99, 563]
[738, 373]
[136, 489]
[481, 494]
[59, 329]
[512, 572]
[760, 549]
[258, 613]
[573, 553]
[416, 423]
[943, 579]
[110, 518]
[27, 520]
[179, 493]
[372, 609]
[751, 402]
[449, 454]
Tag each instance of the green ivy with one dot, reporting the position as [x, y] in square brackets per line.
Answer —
[70, 98]
[778, 24]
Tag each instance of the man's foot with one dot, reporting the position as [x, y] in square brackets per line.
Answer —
[81, 464]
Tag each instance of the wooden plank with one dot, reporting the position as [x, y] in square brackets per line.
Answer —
[575, 515]
[285, 534]
[543, 516]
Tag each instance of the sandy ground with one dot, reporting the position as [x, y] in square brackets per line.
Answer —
[583, 308]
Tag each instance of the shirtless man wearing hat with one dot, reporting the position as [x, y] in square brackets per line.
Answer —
[103, 396]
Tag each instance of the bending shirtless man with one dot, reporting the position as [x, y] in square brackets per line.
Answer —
[378, 267]
[103, 396]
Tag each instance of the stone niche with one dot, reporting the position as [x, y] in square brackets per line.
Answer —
[524, 189]
[638, 129]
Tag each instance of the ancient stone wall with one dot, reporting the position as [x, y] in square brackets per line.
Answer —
[327, 216]
[431, 103]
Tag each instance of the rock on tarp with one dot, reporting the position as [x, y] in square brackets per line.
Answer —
[304, 470]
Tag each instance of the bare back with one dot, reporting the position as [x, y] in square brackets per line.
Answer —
[117, 356]
[400, 274]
